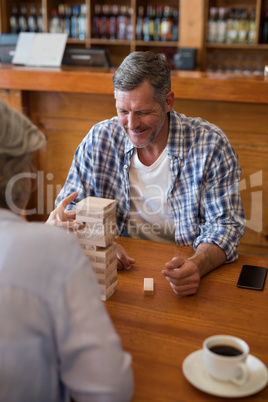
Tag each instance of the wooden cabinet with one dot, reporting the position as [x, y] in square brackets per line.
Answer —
[193, 18]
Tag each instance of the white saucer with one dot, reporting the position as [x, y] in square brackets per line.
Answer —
[194, 371]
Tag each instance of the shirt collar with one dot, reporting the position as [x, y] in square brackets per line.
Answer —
[175, 136]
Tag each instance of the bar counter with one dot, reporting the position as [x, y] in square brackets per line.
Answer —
[66, 102]
[187, 85]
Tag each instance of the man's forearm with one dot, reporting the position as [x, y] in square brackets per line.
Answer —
[207, 257]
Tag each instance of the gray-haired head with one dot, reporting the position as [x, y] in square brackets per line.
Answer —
[19, 139]
[139, 67]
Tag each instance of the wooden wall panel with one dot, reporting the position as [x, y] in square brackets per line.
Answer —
[13, 98]
[65, 119]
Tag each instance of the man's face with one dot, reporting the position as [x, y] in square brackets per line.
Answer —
[142, 118]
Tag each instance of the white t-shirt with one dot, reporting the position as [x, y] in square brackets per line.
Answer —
[150, 217]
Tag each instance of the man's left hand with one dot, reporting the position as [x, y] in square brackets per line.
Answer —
[183, 275]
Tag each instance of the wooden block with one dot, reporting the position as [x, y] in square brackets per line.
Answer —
[105, 294]
[107, 282]
[87, 248]
[95, 207]
[148, 286]
[99, 258]
[97, 229]
[102, 254]
[85, 237]
[96, 217]
[105, 270]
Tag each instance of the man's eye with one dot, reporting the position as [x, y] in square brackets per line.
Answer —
[144, 113]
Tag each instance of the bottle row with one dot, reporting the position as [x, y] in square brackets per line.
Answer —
[235, 25]
[70, 20]
[112, 22]
[159, 23]
[26, 19]
[156, 23]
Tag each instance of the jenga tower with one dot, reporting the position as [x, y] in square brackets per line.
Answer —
[98, 230]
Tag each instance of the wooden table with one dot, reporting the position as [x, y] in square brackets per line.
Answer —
[160, 331]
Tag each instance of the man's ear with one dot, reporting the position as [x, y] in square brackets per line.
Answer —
[169, 101]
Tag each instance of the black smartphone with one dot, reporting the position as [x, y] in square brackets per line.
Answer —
[252, 277]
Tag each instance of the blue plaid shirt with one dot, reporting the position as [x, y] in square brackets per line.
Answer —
[204, 194]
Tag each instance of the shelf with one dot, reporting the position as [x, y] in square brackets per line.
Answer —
[262, 46]
[71, 41]
[156, 43]
[110, 42]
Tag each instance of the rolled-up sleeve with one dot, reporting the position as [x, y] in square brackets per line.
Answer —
[221, 207]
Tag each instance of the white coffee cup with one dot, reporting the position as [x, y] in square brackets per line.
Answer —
[225, 358]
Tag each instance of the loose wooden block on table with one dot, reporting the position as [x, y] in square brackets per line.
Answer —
[148, 286]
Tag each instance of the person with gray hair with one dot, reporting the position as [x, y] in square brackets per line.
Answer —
[175, 178]
[56, 338]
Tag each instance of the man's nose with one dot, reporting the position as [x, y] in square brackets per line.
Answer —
[133, 121]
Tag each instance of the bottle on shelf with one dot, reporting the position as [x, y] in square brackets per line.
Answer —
[243, 26]
[40, 20]
[32, 19]
[231, 35]
[252, 26]
[148, 24]
[14, 20]
[222, 25]
[97, 22]
[61, 15]
[67, 20]
[23, 23]
[129, 29]
[158, 22]
[55, 24]
[113, 22]
[105, 22]
[236, 24]
[175, 26]
[212, 30]
[75, 22]
[139, 23]
[82, 22]
[166, 25]
[122, 22]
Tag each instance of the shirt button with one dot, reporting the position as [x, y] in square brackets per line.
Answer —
[126, 167]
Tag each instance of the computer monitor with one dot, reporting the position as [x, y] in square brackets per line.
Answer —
[86, 57]
[7, 47]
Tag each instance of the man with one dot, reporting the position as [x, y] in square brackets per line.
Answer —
[56, 338]
[174, 178]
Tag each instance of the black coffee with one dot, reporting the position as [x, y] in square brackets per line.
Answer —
[226, 350]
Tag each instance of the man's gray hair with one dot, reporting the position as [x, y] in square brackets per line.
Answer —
[139, 67]
[19, 139]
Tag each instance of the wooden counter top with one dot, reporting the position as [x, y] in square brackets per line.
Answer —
[186, 85]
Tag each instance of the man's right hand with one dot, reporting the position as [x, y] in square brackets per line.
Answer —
[60, 217]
